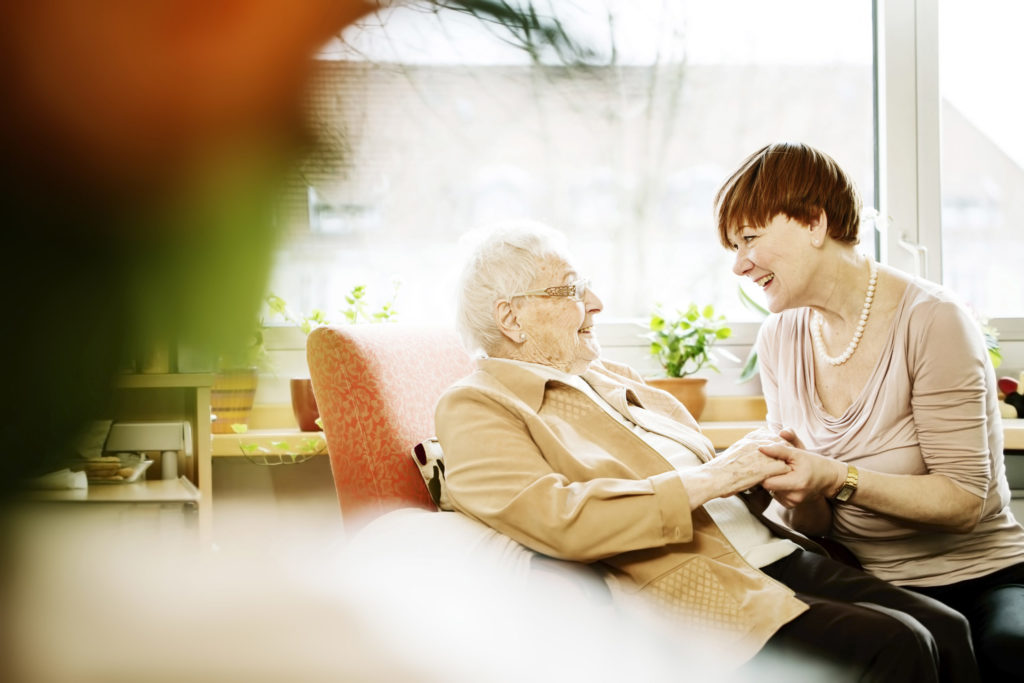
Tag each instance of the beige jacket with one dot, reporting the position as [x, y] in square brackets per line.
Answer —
[541, 462]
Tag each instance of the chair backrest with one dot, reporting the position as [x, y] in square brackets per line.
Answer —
[376, 387]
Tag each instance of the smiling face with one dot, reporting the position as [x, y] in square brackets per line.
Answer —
[779, 258]
[558, 329]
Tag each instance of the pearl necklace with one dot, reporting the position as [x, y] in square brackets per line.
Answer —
[816, 322]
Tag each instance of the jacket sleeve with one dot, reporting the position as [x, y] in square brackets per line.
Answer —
[497, 473]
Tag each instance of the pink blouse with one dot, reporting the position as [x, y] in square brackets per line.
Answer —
[930, 406]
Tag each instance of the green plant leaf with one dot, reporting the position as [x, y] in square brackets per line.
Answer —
[747, 301]
[991, 336]
[312, 445]
[750, 368]
[239, 428]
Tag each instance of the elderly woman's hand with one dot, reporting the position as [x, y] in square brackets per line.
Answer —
[738, 468]
[811, 475]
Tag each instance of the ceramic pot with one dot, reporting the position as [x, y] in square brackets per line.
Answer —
[690, 391]
[304, 405]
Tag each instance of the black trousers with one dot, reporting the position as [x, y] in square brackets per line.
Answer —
[860, 628]
[994, 606]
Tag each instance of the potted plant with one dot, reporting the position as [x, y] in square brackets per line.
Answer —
[682, 344]
[357, 310]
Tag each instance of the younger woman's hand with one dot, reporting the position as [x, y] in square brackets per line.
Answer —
[810, 475]
[738, 468]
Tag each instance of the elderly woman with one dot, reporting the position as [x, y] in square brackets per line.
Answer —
[890, 400]
[577, 458]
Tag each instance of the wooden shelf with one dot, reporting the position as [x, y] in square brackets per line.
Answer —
[1013, 434]
[165, 381]
[723, 433]
[179, 490]
[734, 409]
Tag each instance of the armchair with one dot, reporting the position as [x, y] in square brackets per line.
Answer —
[376, 386]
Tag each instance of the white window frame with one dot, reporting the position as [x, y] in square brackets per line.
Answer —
[907, 136]
[908, 157]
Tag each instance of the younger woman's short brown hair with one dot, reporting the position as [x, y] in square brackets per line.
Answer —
[790, 178]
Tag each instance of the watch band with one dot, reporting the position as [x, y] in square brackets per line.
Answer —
[849, 486]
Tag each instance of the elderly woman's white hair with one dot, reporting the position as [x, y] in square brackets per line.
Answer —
[504, 258]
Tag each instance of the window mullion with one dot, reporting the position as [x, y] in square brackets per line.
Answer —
[907, 114]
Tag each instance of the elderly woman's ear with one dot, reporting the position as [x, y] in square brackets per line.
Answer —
[507, 321]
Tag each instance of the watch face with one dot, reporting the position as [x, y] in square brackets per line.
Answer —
[845, 493]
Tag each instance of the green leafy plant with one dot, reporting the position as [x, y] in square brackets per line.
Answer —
[356, 310]
[683, 343]
[991, 335]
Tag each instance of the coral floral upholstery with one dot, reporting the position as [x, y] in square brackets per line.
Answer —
[376, 387]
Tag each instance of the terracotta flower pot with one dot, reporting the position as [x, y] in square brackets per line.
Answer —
[690, 391]
[304, 405]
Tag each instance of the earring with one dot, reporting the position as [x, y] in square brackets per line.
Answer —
[522, 336]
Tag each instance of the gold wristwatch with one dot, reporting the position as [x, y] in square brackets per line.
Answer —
[849, 486]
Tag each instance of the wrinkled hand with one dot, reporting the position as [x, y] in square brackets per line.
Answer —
[810, 475]
[744, 465]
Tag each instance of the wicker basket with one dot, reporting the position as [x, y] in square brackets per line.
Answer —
[231, 398]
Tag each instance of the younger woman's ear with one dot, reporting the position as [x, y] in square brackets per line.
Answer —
[819, 228]
[506, 319]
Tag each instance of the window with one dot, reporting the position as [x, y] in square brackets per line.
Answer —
[982, 153]
[437, 127]
[949, 166]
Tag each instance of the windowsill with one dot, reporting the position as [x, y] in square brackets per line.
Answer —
[1013, 434]
[272, 430]
[283, 441]
[725, 419]
[724, 432]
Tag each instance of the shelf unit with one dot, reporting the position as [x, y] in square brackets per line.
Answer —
[157, 491]
[175, 396]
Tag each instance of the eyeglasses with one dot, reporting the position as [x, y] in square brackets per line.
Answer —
[574, 290]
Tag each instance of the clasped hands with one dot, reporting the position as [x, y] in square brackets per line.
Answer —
[808, 475]
[777, 462]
